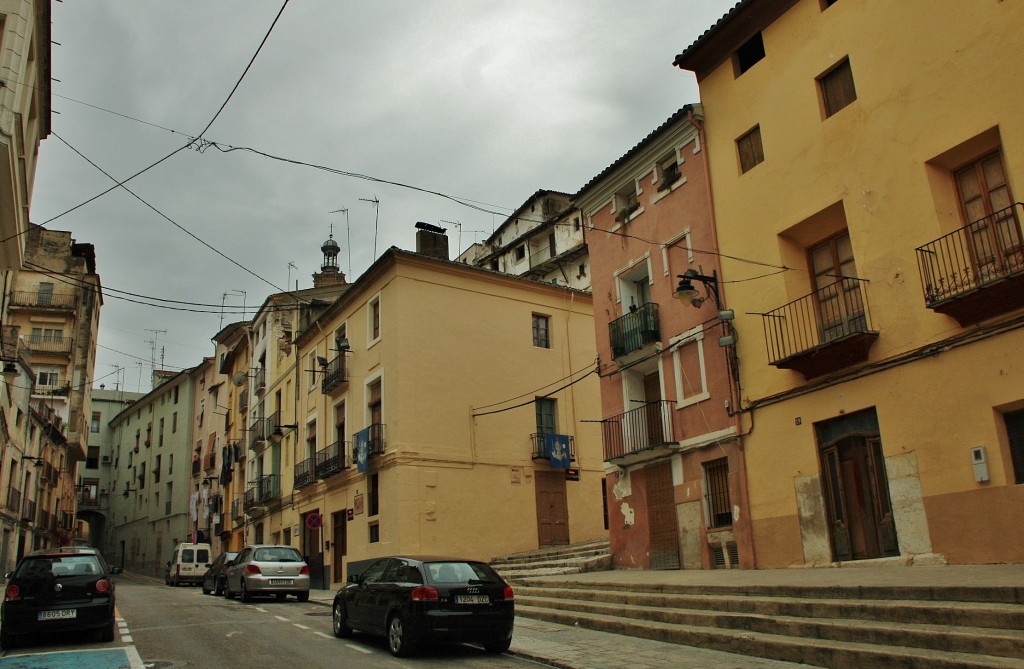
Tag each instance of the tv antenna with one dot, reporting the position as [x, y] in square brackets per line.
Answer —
[152, 348]
[376, 205]
[348, 234]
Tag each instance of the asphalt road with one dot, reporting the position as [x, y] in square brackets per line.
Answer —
[181, 627]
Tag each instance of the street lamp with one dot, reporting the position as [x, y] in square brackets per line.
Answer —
[277, 436]
[686, 292]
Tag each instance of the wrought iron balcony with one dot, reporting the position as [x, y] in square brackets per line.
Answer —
[332, 459]
[976, 272]
[14, 499]
[28, 511]
[540, 447]
[822, 332]
[44, 299]
[630, 436]
[304, 472]
[259, 381]
[334, 374]
[257, 433]
[236, 509]
[634, 330]
[264, 489]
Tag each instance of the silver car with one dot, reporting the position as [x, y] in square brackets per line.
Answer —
[267, 569]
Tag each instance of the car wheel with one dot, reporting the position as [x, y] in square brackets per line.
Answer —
[6, 640]
[398, 637]
[218, 587]
[206, 590]
[174, 582]
[340, 624]
[244, 592]
[302, 596]
[227, 589]
[107, 632]
[497, 646]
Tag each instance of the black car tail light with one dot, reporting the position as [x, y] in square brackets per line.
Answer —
[102, 586]
[13, 593]
[424, 593]
[509, 594]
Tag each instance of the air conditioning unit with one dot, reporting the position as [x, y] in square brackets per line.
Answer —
[104, 491]
[105, 459]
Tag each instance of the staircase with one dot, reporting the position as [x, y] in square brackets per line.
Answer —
[555, 560]
[841, 627]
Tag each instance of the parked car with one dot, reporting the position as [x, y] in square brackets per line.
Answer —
[216, 575]
[413, 600]
[56, 591]
[187, 564]
[266, 569]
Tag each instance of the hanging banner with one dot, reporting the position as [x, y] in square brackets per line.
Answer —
[557, 446]
[362, 450]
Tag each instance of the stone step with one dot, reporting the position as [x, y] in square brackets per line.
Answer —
[817, 652]
[599, 547]
[884, 631]
[573, 565]
[969, 614]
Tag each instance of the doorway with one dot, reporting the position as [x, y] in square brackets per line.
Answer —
[661, 516]
[552, 509]
[313, 550]
[339, 525]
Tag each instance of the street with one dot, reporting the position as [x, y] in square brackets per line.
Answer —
[181, 627]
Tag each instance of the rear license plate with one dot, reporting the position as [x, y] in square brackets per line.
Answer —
[280, 581]
[59, 614]
[472, 599]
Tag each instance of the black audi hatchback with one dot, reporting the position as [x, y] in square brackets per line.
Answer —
[415, 600]
[58, 590]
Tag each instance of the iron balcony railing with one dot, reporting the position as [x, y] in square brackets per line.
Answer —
[28, 298]
[43, 344]
[195, 467]
[44, 519]
[332, 459]
[262, 490]
[820, 318]
[334, 374]
[638, 429]
[634, 330]
[257, 433]
[376, 439]
[260, 380]
[236, 509]
[540, 450]
[987, 250]
[14, 499]
[304, 472]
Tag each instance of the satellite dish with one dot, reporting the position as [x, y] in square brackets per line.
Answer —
[238, 379]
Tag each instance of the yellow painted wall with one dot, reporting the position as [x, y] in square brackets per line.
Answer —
[929, 77]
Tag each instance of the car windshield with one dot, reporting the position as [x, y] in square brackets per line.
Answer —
[58, 566]
[277, 555]
[460, 572]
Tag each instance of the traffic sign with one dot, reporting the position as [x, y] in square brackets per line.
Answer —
[314, 521]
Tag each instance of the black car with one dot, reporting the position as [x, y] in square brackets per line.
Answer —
[58, 590]
[414, 600]
[216, 576]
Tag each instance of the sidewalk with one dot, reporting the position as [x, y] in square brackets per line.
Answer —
[570, 647]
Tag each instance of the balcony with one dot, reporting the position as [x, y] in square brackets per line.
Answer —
[14, 499]
[86, 500]
[541, 451]
[304, 473]
[195, 466]
[822, 332]
[260, 381]
[43, 344]
[976, 272]
[332, 459]
[257, 433]
[43, 300]
[335, 374]
[373, 437]
[263, 490]
[28, 511]
[52, 391]
[236, 510]
[640, 434]
[635, 330]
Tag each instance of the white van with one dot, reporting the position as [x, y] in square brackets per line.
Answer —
[188, 564]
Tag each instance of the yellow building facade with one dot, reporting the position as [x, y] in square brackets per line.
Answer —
[865, 161]
[431, 394]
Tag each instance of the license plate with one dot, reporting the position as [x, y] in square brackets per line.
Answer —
[280, 581]
[472, 599]
[59, 614]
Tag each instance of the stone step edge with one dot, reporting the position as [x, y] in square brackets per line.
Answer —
[1011, 616]
[916, 635]
[547, 550]
[832, 654]
[572, 562]
[980, 594]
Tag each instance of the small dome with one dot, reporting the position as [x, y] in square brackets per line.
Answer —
[330, 245]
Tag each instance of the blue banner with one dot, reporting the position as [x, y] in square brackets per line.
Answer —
[557, 446]
[362, 450]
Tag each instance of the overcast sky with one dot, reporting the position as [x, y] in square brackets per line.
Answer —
[485, 102]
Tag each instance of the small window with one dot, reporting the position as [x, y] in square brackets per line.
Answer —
[716, 490]
[375, 319]
[626, 202]
[375, 533]
[837, 89]
[95, 425]
[668, 172]
[750, 149]
[520, 252]
[541, 329]
[749, 53]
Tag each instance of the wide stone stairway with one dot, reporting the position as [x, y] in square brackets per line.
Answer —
[842, 627]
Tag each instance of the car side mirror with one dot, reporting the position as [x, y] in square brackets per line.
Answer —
[353, 578]
[9, 574]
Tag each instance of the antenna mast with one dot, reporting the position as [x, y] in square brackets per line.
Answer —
[376, 205]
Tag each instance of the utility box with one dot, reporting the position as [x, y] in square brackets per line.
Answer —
[980, 461]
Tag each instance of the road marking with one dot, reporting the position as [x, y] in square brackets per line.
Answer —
[231, 634]
[282, 618]
[359, 648]
[301, 627]
[326, 636]
[259, 609]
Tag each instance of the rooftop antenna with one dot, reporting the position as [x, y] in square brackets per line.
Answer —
[459, 242]
[348, 235]
[152, 348]
[224, 297]
[376, 205]
[291, 266]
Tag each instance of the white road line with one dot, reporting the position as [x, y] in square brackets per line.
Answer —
[259, 609]
[326, 636]
[301, 627]
[282, 618]
[359, 648]
[126, 638]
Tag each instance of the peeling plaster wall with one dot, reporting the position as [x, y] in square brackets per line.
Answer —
[813, 526]
[690, 543]
[908, 504]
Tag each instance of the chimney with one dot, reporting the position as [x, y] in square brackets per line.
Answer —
[431, 241]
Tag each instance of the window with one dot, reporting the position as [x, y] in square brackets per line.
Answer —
[750, 149]
[1015, 432]
[668, 172]
[716, 493]
[626, 202]
[840, 303]
[520, 252]
[176, 389]
[174, 422]
[748, 54]
[94, 426]
[48, 379]
[837, 89]
[546, 417]
[92, 460]
[160, 434]
[985, 200]
[689, 364]
[373, 494]
[45, 293]
[374, 533]
[375, 319]
[541, 329]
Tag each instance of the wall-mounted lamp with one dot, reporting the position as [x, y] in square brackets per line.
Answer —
[342, 344]
[277, 436]
[37, 462]
[686, 292]
[10, 371]
[207, 480]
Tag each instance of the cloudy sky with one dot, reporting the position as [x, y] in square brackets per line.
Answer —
[484, 102]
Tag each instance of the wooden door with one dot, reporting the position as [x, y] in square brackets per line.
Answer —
[552, 509]
[339, 547]
[661, 516]
[313, 551]
[652, 410]
[986, 203]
